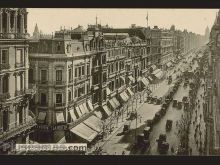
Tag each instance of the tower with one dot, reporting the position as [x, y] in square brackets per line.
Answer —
[36, 33]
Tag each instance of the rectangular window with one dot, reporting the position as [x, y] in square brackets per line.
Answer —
[4, 58]
[70, 75]
[76, 71]
[88, 70]
[83, 70]
[58, 98]
[19, 56]
[31, 75]
[75, 93]
[43, 99]
[43, 76]
[79, 71]
[58, 75]
[5, 84]
[69, 96]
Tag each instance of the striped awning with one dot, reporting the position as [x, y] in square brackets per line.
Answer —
[89, 105]
[108, 91]
[84, 132]
[94, 122]
[72, 114]
[59, 117]
[130, 92]
[107, 110]
[145, 81]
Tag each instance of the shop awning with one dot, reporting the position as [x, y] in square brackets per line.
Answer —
[130, 92]
[84, 132]
[123, 97]
[82, 109]
[113, 105]
[139, 79]
[98, 114]
[78, 112]
[108, 91]
[122, 78]
[72, 114]
[145, 81]
[107, 110]
[154, 67]
[156, 71]
[94, 122]
[131, 78]
[150, 78]
[125, 94]
[169, 64]
[159, 75]
[116, 102]
[42, 116]
[85, 107]
[60, 117]
[89, 105]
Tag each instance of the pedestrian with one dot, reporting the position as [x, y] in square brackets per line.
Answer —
[172, 150]
[190, 151]
[115, 153]
[200, 134]
[123, 152]
[193, 123]
[197, 143]
[195, 135]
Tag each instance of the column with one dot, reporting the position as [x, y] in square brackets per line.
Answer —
[8, 28]
[25, 22]
[22, 24]
[1, 84]
[0, 21]
[15, 22]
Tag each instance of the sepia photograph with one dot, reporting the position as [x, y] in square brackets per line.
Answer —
[109, 81]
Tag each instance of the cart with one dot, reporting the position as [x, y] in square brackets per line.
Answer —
[126, 128]
[146, 132]
[157, 117]
[179, 105]
[169, 125]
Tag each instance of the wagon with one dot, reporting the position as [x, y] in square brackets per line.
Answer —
[169, 125]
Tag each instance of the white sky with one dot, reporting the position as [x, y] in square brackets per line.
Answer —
[51, 19]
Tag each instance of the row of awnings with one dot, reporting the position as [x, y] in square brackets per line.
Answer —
[42, 117]
[79, 111]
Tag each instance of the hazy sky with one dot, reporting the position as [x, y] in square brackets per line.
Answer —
[51, 19]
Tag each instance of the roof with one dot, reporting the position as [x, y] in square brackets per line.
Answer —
[79, 29]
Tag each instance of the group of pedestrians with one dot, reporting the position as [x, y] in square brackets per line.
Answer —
[197, 123]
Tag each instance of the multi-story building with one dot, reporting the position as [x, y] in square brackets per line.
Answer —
[166, 44]
[16, 121]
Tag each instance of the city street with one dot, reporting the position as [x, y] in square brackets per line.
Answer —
[118, 142]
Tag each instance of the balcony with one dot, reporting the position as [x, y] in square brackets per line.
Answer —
[4, 96]
[80, 79]
[43, 82]
[19, 92]
[31, 89]
[60, 83]
[4, 66]
[17, 130]
[60, 104]
[19, 65]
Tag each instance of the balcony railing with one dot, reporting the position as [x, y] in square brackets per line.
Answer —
[43, 82]
[60, 82]
[4, 66]
[19, 92]
[31, 89]
[17, 130]
[80, 79]
[18, 65]
[4, 96]
[60, 104]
